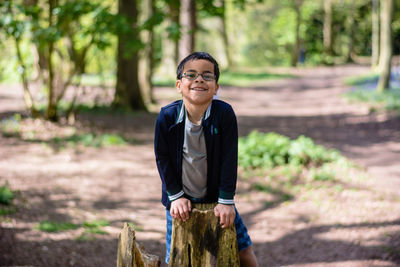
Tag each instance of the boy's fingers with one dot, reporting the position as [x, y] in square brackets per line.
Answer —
[223, 220]
[216, 212]
[185, 213]
[180, 213]
[190, 205]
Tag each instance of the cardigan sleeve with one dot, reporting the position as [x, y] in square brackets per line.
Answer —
[229, 157]
[165, 166]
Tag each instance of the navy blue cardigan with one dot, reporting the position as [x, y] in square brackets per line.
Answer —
[221, 137]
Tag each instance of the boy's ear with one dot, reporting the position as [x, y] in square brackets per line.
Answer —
[178, 86]
[216, 88]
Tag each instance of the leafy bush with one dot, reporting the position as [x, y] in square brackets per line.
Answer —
[6, 194]
[260, 150]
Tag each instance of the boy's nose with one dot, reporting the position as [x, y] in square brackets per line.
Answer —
[199, 78]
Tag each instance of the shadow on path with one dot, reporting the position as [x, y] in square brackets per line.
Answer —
[309, 245]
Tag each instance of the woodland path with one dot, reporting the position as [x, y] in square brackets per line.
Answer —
[359, 226]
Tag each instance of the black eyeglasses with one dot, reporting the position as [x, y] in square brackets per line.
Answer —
[192, 75]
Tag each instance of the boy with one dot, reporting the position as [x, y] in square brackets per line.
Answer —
[196, 151]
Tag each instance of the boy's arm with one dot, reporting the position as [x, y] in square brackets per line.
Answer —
[163, 159]
[229, 154]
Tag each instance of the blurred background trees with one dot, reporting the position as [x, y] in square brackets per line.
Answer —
[52, 47]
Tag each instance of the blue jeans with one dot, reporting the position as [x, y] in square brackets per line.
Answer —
[242, 236]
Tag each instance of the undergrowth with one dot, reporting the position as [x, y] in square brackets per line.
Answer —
[365, 91]
[57, 135]
[274, 164]
[7, 196]
[91, 228]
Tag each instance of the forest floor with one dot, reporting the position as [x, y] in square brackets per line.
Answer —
[358, 225]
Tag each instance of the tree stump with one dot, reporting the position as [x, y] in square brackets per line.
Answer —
[201, 242]
[129, 252]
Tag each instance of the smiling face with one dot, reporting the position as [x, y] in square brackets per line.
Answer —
[197, 91]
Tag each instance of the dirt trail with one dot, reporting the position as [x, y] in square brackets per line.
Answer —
[354, 227]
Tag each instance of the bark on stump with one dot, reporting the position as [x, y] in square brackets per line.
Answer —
[129, 252]
[201, 242]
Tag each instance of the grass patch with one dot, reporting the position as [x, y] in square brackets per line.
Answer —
[11, 126]
[241, 78]
[91, 108]
[51, 227]
[365, 91]
[386, 100]
[90, 140]
[92, 228]
[57, 135]
[363, 79]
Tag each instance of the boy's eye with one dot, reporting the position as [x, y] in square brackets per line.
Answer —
[208, 76]
[190, 75]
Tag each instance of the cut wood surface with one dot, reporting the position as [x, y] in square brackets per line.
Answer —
[201, 242]
[129, 252]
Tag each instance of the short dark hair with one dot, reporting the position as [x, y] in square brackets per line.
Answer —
[196, 56]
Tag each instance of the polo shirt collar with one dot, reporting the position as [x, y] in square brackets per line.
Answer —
[182, 113]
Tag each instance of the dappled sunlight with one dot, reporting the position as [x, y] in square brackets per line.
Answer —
[350, 219]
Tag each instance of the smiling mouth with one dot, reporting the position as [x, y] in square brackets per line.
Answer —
[198, 89]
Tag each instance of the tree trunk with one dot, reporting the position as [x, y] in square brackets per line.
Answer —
[201, 242]
[29, 101]
[174, 11]
[225, 36]
[295, 55]
[375, 33]
[350, 33]
[386, 44]
[51, 112]
[129, 252]
[127, 91]
[146, 62]
[188, 28]
[328, 38]
[170, 41]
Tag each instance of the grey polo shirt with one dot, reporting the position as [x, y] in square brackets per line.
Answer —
[194, 160]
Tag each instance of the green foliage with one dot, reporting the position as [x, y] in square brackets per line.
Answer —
[6, 194]
[247, 78]
[91, 140]
[11, 126]
[363, 79]
[270, 150]
[365, 92]
[281, 167]
[92, 227]
[48, 226]
[95, 227]
[325, 173]
[263, 150]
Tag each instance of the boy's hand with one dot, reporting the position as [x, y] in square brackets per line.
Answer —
[226, 214]
[180, 208]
